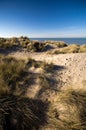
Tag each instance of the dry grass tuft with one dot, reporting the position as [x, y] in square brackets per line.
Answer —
[33, 63]
[8, 43]
[73, 48]
[21, 113]
[47, 67]
[68, 111]
[83, 48]
[12, 73]
[39, 64]
[59, 44]
[36, 46]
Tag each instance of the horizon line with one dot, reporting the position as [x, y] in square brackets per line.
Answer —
[37, 37]
[57, 37]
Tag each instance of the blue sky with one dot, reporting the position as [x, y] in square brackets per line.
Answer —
[43, 18]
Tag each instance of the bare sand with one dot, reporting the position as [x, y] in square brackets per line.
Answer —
[71, 67]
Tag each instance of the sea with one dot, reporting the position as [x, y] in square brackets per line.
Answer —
[66, 40]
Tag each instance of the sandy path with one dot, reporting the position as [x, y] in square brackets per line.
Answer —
[74, 72]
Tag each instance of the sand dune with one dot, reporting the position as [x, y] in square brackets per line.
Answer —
[74, 72]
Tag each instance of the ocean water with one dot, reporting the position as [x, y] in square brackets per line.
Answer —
[66, 40]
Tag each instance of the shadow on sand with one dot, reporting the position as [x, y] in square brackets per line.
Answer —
[10, 50]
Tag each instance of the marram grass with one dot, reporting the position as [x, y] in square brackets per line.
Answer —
[68, 111]
[18, 113]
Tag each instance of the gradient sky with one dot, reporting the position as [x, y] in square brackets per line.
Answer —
[43, 18]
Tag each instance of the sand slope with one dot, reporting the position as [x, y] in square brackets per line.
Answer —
[74, 66]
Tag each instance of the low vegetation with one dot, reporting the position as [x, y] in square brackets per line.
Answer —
[59, 44]
[39, 64]
[8, 43]
[23, 42]
[16, 111]
[12, 72]
[36, 46]
[55, 47]
[16, 74]
[67, 112]
[72, 48]
[19, 113]
[83, 48]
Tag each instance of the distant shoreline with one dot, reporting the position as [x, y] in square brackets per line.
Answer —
[66, 40]
[70, 40]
